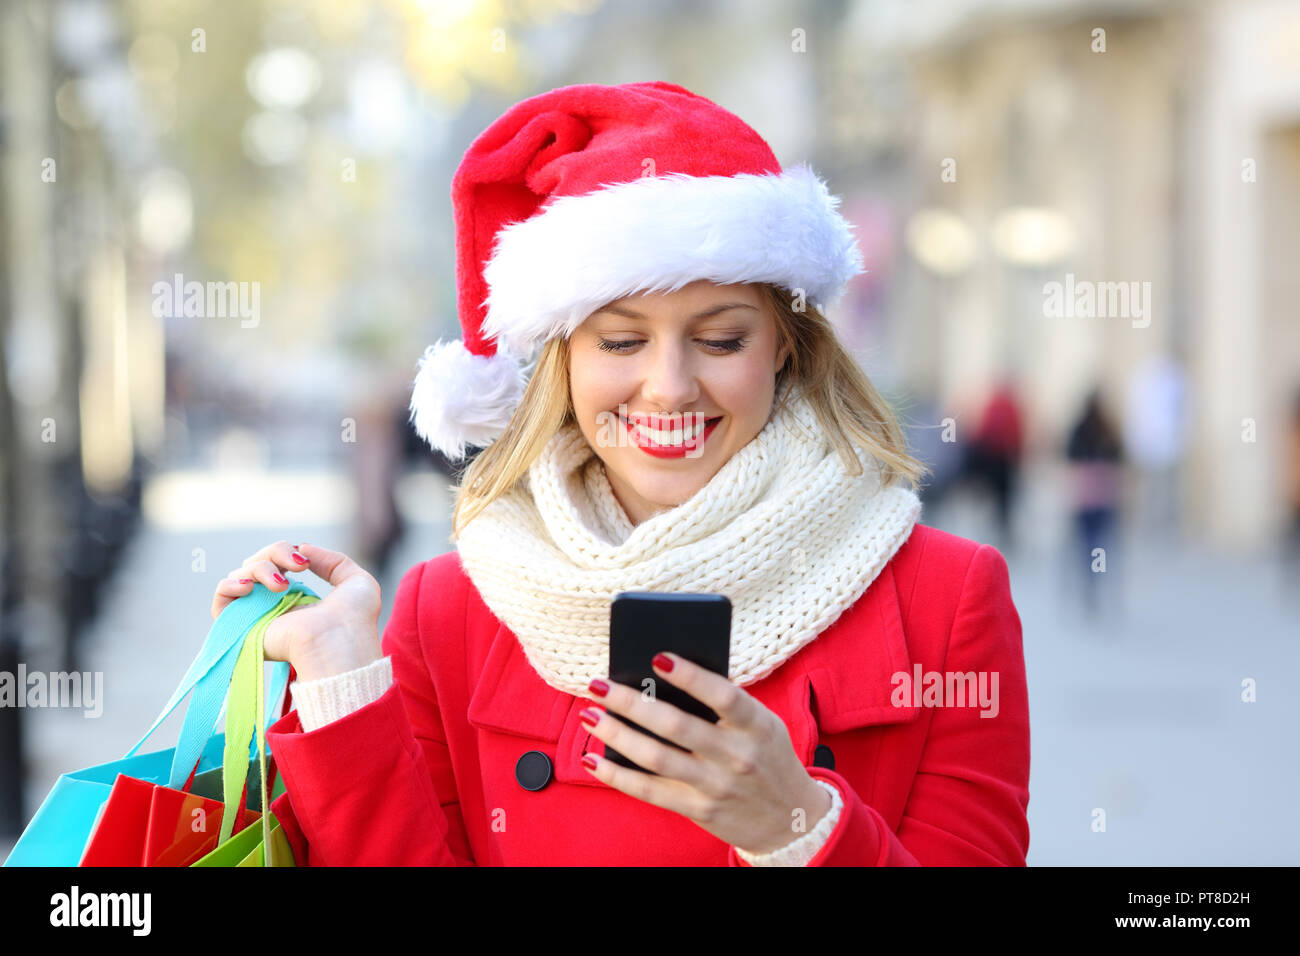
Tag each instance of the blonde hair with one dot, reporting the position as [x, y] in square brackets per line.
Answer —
[847, 404]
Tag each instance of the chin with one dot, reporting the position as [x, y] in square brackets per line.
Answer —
[666, 492]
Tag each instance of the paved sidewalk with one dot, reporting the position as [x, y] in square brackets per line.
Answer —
[1139, 713]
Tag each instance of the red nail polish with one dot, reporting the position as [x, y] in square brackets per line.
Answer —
[298, 557]
[663, 662]
[589, 761]
[280, 577]
[590, 715]
[246, 581]
[598, 687]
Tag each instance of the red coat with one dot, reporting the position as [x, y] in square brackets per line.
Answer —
[921, 784]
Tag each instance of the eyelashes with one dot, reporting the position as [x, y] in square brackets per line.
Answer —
[724, 346]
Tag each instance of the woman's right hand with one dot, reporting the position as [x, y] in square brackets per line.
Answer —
[336, 634]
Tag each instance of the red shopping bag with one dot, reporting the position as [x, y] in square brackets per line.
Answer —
[146, 824]
[183, 827]
[117, 838]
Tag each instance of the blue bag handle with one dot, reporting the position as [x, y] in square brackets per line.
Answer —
[209, 678]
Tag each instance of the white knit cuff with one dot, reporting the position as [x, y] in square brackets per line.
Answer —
[321, 701]
[803, 849]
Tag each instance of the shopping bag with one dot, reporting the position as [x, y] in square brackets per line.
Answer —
[56, 835]
[245, 849]
[210, 784]
[58, 831]
[184, 827]
[175, 827]
[146, 824]
[281, 854]
[200, 812]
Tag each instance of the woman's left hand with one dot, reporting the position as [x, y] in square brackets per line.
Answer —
[742, 781]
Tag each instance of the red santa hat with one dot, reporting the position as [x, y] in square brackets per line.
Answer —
[586, 194]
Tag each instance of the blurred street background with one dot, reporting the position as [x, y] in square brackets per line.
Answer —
[1079, 221]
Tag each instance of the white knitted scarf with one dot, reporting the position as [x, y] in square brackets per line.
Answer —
[782, 529]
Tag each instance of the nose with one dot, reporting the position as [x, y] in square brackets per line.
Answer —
[669, 384]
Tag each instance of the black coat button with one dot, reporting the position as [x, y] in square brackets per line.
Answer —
[823, 757]
[533, 770]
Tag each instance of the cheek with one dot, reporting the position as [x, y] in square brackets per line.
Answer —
[595, 385]
[738, 384]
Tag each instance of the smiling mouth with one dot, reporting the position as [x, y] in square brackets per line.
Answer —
[676, 438]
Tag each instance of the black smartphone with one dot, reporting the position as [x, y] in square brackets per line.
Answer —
[696, 627]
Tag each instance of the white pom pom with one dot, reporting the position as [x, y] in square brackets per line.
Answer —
[461, 398]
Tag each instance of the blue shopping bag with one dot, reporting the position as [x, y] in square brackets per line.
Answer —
[57, 833]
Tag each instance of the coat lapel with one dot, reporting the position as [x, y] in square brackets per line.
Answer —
[511, 698]
[851, 666]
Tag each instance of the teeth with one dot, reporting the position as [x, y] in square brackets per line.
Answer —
[677, 436]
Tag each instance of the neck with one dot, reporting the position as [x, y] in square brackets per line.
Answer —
[636, 511]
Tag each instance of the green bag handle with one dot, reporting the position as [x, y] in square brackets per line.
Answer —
[246, 719]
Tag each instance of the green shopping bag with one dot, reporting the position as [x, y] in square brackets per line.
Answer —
[245, 849]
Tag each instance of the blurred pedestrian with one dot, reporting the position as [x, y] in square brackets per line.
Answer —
[993, 459]
[1291, 464]
[1095, 458]
[381, 417]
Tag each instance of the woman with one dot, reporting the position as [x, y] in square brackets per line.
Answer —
[1095, 458]
[690, 424]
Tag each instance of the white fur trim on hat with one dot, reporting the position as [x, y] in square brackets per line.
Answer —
[547, 274]
[461, 398]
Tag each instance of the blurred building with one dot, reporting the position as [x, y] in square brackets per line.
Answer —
[1028, 143]
[81, 394]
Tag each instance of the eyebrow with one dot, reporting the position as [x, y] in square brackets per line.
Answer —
[711, 311]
